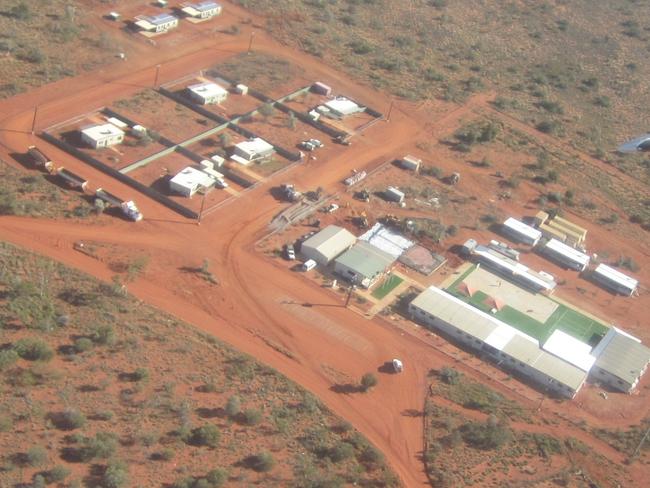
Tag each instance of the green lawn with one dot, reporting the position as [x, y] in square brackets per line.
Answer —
[564, 318]
[390, 283]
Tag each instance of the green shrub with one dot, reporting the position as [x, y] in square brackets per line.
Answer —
[371, 456]
[7, 358]
[57, 474]
[39, 482]
[368, 380]
[450, 375]
[140, 374]
[36, 456]
[341, 451]
[103, 335]
[217, 477]
[489, 435]
[252, 416]
[6, 423]
[262, 462]
[206, 435]
[166, 454]
[116, 475]
[70, 419]
[33, 349]
[20, 11]
[82, 344]
[233, 406]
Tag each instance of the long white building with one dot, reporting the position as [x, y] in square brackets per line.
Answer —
[520, 232]
[614, 280]
[565, 255]
[513, 349]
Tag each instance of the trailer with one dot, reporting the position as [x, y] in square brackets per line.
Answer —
[73, 180]
[39, 157]
[355, 178]
[128, 208]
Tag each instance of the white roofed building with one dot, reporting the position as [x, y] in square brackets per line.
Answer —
[157, 23]
[190, 180]
[520, 232]
[201, 10]
[102, 135]
[511, 348]
[252, 150]
[614, 280]
[570, 349]
[565, 255]
[207, 93]
[340, 107]
[621, 360]
[327, 244]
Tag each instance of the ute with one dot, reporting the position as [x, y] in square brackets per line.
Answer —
[130, 210]
[398, 366]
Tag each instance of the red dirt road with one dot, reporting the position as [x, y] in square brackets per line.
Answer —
[277, 316]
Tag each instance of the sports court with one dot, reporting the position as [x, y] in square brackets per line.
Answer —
[534, 314]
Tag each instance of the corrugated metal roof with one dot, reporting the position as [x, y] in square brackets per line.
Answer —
[622, 355]
[567, 252]
[616, 276]
[570, 349]
[521, 228]
[366, 260]
[330, 241]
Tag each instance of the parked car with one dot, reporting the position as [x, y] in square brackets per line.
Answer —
[332, 208]
[398, 366]
[290, 252]
[221, 183]
[309, 265]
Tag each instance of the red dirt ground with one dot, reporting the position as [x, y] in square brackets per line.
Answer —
[328, 343]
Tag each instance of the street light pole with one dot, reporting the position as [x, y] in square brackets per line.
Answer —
[155, 81]
[34, 119]
[350, 290]
[250, 42]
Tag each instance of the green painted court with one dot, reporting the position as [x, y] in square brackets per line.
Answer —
[390, 283]
[564, 318]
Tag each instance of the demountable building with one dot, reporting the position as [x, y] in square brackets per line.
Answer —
[363, 264]
[565, 255]
[520, 232]
[410, 162]
[190, 180]
[102, 135]
[201, 10]
[252, 150]
[327, 244]
[614, 280]
[207, 93]
[156, 23]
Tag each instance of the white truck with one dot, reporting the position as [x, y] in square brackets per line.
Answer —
[128, 208]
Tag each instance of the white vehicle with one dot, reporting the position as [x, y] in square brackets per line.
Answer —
[290, 252]
[309, 265]
[332, 208]
[398, 367]
[221, 183]
[131, 211]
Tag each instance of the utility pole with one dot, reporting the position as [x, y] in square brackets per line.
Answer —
[155, 81]
[350, 290]
[250, 42]
[390, 109]
[198, 221]
[34, 119]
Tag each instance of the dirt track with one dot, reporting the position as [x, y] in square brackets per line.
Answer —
[317, 342]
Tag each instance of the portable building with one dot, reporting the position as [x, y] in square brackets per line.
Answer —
[614, 280]
[410, 162]
[363, 264]
[565, 255]
[394, 195]
[321, 89]
[157, 23]
[207, 93]
[252, 150]
[520, 232]
[514, 271]
[621, 360]
[102, 135]
[201, 10]
[327, 244]
[570, 349]
[190, 180]
[341, 107]
[241, 89]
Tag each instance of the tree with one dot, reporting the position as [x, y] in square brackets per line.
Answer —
[36, 456]
[252, 416]
[56, 474]
[206, 435]
[103, 335]
[224, 139]
[82, 344]
[217, 477]
[341, 452]
[368, 380]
